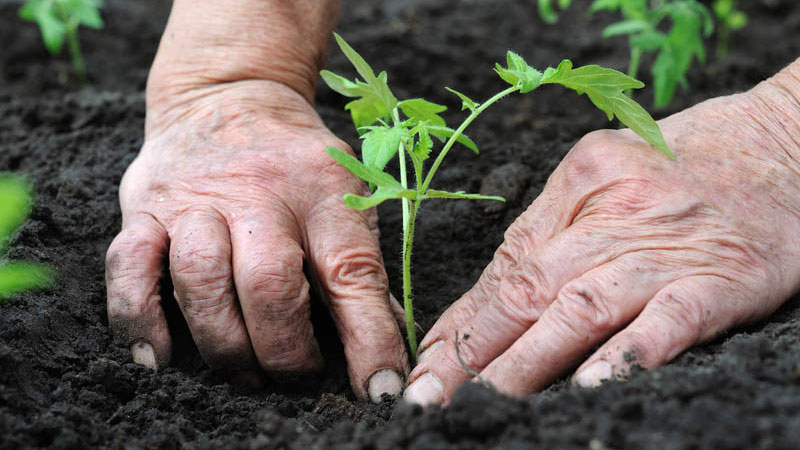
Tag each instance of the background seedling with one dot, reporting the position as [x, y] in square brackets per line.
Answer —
[15, 203]
[729, 19]
[643, 22]
[406, 128]
[59, 20]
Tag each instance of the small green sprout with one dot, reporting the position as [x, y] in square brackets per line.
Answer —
[730, 19]
[546, 11]
[406, 128]
[59, 20]
[15, 203]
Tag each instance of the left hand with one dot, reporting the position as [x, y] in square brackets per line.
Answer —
[633, 252]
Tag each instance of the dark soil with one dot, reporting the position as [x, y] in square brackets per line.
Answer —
[65, 384]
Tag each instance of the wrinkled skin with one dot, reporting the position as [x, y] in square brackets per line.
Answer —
[236, 192]
[633, 252]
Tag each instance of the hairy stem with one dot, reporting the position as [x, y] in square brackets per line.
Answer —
[459, 131]
[408, 306]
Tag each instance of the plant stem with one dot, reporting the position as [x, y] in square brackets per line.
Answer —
[75, 52]
[408, 306]
[633, 66]
[723, 39]
[459, 131]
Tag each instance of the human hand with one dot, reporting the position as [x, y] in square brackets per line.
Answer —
[234, 187]
[638, 254]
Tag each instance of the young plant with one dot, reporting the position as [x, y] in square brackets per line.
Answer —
[406, 128]
[691, 23]
[15, 203]
[59, 20]
[642, 21]
[730, 19]
[548, 13]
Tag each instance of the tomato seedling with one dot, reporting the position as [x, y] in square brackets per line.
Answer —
[730, 19]
[406, 128]
[59, 20]
[15, 203]
[642, 21]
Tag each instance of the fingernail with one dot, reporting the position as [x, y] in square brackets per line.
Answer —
[429, 351]
[384, 381]
[594, 375]
[427, 390]
[143, 354]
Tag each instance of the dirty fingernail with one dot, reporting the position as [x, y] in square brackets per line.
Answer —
[427, 390]
[384, 381]
[594, 375]
[143, 354]
[429, 351]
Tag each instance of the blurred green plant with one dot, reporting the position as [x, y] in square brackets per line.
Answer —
[59, 20]
[677, 45]
[16, 197]
[730, 19]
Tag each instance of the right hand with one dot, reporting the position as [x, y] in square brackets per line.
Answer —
[235, 188]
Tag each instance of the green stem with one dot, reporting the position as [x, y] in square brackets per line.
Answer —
[408, 306]
[75, 52]
[459, 131]
[723, 39]
[633, 66]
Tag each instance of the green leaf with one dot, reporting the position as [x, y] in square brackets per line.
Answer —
[519, 73]
[16, 277]
[605, 88]
[683, 44]
[424, 144]
[381, 144]
[380, 195]
[604, 5]
[466, 102]
[86, 12]
[546, 11]
[15, 203]
[626, 27]
[53, 28]
[649, 41]
[342, 85]
[377, 101]
[432, 193]
[368, 174]
[422, 110]
[443, 133]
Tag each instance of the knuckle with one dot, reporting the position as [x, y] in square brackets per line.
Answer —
[279, 276]
[523, 293]
[678, 308]
[583, 308]
[356, 268]
[642, 348]
[130, 249]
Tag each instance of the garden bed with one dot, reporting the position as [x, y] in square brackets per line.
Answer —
[65, 384]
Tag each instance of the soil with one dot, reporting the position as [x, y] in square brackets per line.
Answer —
[65, 384]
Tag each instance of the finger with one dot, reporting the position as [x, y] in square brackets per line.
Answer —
[547, 216]
[346, 259]
[200, 265]
[134, 262]
[586, 312]
[273, 293]
[685, 313]
[520, 298]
